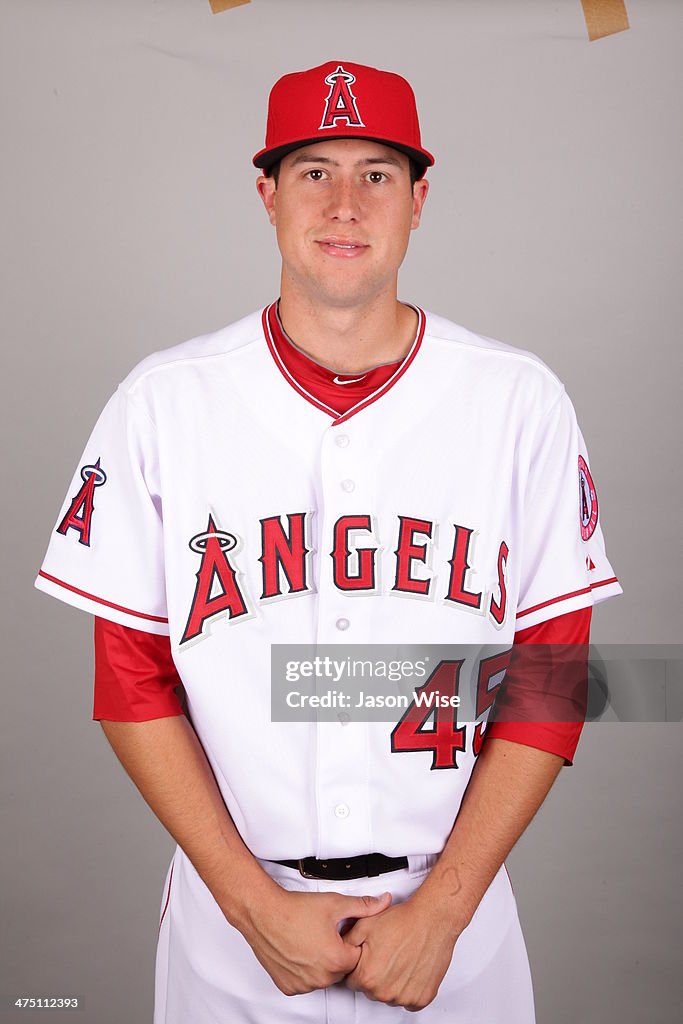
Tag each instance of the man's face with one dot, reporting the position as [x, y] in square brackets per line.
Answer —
[343, 211]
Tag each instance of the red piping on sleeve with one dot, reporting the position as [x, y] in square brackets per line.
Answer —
[565, 597]
[100, 600]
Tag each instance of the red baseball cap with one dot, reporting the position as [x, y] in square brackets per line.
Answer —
[342, 100]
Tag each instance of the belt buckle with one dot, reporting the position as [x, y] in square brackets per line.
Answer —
[365, 858]
[302, 870]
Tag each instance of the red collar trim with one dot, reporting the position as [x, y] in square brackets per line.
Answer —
[298, 387]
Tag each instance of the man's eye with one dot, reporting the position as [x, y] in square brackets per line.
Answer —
[315, 174]
[376, 176]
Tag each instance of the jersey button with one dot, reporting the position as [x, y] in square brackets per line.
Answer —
[344, 717]
[348, 486]
[342, 440]
[342, 624]
[342, 810]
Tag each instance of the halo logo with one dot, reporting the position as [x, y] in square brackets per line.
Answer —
[340, 104]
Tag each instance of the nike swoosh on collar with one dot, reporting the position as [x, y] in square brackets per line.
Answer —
[336, 380]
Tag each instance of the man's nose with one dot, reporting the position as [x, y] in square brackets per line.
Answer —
[344, 201]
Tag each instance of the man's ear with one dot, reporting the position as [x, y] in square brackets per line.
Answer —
[267, 188]
[420, 190]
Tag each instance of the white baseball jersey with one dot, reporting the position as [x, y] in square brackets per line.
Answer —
[219, 503]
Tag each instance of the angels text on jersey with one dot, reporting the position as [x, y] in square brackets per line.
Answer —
[286, 571]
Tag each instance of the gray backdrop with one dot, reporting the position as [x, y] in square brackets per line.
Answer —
[130, 223]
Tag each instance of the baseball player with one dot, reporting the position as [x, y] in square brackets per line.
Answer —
[339, 467]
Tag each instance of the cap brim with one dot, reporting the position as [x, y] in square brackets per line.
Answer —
[265, 158]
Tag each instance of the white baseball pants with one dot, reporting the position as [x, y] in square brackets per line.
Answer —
[206, 972]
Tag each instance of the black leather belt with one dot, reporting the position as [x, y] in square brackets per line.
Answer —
[339, 868]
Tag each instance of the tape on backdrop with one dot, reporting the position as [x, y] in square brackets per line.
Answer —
[604, 17]
[224, 5]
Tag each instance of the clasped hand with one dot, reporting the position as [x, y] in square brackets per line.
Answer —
[393, 954]
[404, 954]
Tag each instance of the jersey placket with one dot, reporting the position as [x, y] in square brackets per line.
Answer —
[346, 489]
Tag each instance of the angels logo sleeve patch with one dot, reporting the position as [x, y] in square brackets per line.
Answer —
[105, 553]
[564, 563]
[79, 514]
[588, 500]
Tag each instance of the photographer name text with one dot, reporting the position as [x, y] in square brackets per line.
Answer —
[339, 699]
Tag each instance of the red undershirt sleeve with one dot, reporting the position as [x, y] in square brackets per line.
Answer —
[556, 737]
[135, 675]
[136, 680]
